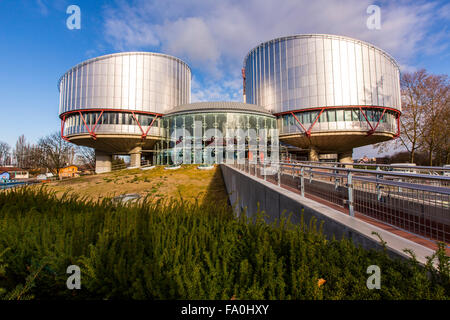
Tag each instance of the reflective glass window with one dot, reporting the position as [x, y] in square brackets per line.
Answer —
[331, 115]
[348, 115]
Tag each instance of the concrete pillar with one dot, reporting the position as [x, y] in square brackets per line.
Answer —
[313, 154]
[346, 157]
[135, 157]
[103, 162]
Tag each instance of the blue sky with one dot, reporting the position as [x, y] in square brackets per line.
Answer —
[213, 37]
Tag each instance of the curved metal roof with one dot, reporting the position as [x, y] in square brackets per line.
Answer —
[321, 35]
[126, 53]
[219, 106]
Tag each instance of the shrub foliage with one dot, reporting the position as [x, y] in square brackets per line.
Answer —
[181, 250]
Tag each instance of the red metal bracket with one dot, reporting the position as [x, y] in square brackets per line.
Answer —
[301, 125]
[308, 132]
[63, 122]
[372, 130]
[91, 133]
[144, 133]
[95, 125]
[379, 120]
[337, 107]
[312, 125]
[398, 127]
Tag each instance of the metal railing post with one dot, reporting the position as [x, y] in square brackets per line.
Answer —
[302, 182]
[350, 194]
[264, 172]
[279, 175]
[378, 187]
[336, 179]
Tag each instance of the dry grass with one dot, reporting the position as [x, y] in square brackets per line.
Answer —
[187, 182]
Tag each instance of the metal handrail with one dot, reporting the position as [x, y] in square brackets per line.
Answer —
[415, 186]
[408, 201]
[405, 166]
[375, 172]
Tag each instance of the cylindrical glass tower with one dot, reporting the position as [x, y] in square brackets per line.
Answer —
[114, 103]
[330, 93]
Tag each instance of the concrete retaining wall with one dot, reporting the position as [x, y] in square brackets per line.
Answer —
[246, 192]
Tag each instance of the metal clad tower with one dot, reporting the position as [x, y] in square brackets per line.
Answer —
[330, 93]
[114, 103]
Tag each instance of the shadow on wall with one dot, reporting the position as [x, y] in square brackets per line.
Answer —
[216, 192]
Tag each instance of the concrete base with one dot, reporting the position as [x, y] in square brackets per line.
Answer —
[135, 157]
[103, 162]
[313, 154]
[346, 157]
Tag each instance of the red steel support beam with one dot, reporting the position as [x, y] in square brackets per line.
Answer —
[308, 132]
[372, 129]
[337, 107]
[95, 125]
[86, 126]
[63, 122]
[134, 116]
[148, 129]
[92, 131]
[312, 125]
[367, 120]
[375, 128]
[304, 129]
[144, 134]
[398, 127]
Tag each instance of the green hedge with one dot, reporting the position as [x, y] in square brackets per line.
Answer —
[180, 250]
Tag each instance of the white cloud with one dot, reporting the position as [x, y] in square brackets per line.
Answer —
[190, 38]
[129, 35]
[407, 68]
[42, 7]
[213, 37]
[228, 90]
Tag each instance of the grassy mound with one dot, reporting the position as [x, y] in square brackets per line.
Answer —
[193, 184]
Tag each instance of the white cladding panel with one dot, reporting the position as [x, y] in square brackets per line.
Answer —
[310, 71]
[138, 81]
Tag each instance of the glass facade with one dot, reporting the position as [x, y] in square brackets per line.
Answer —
[323, 80]
[138, 81]
[208, 137]
[314, 71]
[332, 120]
[111, 122]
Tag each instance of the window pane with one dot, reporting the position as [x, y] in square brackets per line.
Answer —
[331, 115]
[348, 115]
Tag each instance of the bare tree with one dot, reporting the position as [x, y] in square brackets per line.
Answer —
[425, 117]
[57, 152]
[436, 101]
[413, 108]
[443, 145]
[4, 153]
[86, 156]
[21, 152]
